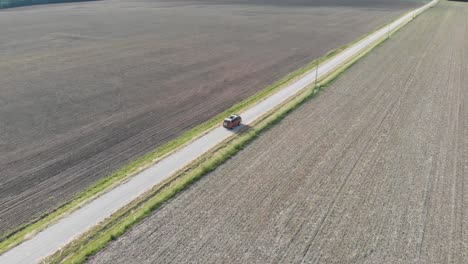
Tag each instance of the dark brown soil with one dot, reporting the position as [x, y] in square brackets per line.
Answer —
[87, 87]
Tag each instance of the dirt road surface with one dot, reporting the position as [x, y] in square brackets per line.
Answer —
[87, 87]
[371, 171]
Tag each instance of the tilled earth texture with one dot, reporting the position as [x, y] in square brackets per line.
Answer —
[371, 171]
[87, 87]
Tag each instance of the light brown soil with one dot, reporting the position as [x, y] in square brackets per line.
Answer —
[87, 87]
[372, 171]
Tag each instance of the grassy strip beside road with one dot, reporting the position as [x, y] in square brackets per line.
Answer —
[22, 233]
[110, 229]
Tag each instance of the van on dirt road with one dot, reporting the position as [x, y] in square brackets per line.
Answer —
[232, 121]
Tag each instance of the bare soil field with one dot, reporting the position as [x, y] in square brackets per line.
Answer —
[371, 171]
[87, 87]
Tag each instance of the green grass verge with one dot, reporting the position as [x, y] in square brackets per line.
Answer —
[14, 237]
[97, 238]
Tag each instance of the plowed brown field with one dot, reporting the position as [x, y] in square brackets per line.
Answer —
[87, 87]
[371, 171]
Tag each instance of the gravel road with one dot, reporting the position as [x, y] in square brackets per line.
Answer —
[371, 171]
[87, 87]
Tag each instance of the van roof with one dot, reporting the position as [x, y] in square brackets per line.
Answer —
[231, 117]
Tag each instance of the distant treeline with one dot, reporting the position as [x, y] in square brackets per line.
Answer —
[17, 3]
